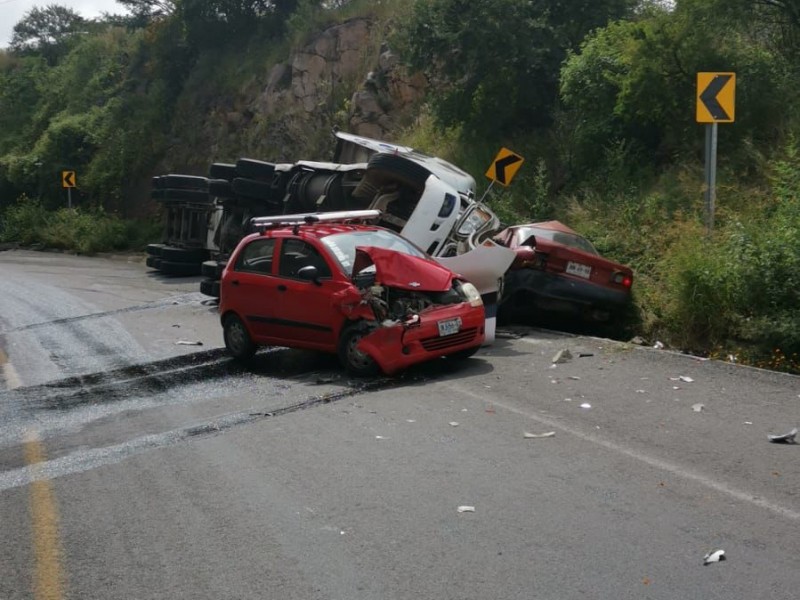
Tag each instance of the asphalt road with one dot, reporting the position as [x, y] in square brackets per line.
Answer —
[133, 466]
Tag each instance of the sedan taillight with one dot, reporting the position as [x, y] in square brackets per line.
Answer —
[622, 279]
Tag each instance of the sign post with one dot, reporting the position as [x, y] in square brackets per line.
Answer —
[68, 182]
[716, 103]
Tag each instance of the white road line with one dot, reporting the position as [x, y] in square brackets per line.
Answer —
[637, 454]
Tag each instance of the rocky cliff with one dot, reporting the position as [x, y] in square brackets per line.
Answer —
[345, 77]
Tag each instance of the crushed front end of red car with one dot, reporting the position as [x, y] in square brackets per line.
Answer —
[420, 310]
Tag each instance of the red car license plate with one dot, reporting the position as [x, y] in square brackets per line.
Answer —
[449, 326]
[578, 269]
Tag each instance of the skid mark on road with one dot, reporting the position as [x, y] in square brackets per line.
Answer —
[194, 297]
[85, 460]
[48, 579]
[637, 455]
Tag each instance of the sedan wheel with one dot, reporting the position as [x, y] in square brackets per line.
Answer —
[354, 360]
[237, 339]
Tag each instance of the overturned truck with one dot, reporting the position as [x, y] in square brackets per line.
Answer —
[429, 201]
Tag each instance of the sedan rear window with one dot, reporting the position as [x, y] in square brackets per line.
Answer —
[343, 245]
[560, 237]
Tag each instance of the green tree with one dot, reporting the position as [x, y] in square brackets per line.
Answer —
[495, 63]
[46, 31]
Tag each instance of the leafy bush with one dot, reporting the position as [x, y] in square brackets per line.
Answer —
[85, 232]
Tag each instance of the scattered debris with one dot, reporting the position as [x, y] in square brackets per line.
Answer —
[585, 354]
[463, 509]
[748, 422]
[640, 392]
[638, 340]
[567, 399]
[712, 557]
[411, 420]
[187, 343]
[380, 437]
[453, 423]
[549, 434]
[586, 405]
[658, 346]
[685, 379]
[490, 409]
[698, 407]
[574, 377]
[561, 357]
[786, 438]
[176, 325]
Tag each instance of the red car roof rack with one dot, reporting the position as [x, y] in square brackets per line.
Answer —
[341, 216]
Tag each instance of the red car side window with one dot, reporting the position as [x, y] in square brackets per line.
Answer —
[256, 257]
[296, 254]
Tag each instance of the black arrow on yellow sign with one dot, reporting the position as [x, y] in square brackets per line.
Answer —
[505, 166]
[709, 97]
[68, 179]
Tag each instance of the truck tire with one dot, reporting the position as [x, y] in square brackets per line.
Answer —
[210, 287]
[179, 269]
[222, 171]
[220, 188]
[155, 249]
[179, 195]
[184, 182]
[212, 269]
[250, 168]
[184, 255]
[259, 190]
[398, 168]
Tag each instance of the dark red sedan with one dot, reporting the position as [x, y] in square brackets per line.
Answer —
[557, 270]
[325, 282]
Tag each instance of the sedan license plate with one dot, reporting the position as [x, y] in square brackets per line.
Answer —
[449, 326]
[578, 269]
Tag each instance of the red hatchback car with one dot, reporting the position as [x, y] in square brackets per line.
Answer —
[558, 270]
[326, 282]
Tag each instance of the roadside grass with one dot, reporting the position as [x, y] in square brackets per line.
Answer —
[28, 223]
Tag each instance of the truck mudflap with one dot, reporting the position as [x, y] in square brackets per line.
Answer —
[484, 267]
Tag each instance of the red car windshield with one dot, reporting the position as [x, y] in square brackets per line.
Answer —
[343, 245]
[559, 237]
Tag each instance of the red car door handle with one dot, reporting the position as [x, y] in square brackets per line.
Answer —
[282, 288]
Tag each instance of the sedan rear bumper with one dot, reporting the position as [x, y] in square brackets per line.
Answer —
[561, 292]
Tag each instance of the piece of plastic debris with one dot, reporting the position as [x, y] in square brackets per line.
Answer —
[453, 423]
[685, 379]
[786, 438]
[676, 387]
[748, 422]
[463, 509]
[187, 343]
[562, 356]
[411, 420]
[640, 392]
[658, 346]
[586, 405]
[574, 377]
[585, 354]
[567, 399]
[698, 407]
[713, 557]
[380, 437]
[529, 436]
